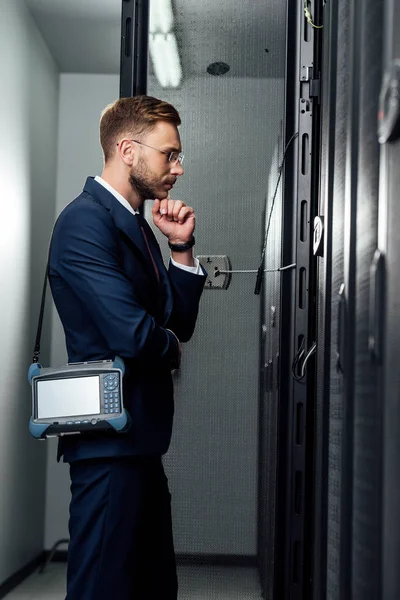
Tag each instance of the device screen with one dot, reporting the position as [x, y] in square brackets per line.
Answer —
[68, 397]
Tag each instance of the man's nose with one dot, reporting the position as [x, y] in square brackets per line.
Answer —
[177, 169]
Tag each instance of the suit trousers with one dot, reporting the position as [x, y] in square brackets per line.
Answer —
[121, 544]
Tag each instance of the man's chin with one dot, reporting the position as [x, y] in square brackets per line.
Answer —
[162, 194]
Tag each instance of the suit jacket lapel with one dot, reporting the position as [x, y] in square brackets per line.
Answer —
[128, 223]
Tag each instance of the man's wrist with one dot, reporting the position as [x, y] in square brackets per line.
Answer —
[177, 242]
[184, 258]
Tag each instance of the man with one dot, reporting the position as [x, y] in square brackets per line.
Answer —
[115, 297]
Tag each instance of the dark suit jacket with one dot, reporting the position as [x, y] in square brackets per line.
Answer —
[106, 292]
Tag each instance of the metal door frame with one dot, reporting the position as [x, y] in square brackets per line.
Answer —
[134, 47]
[295, 489]
[324, 310]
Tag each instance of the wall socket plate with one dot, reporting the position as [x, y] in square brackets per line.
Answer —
[214, 265]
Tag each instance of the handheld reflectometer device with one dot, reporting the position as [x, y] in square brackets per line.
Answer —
[77, 398]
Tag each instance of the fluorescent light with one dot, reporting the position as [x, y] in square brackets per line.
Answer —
[165, 58]
[161, 16]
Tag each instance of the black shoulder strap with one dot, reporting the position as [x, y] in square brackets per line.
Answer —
[36, 350]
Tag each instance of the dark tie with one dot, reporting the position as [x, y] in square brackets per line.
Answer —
[143, 225]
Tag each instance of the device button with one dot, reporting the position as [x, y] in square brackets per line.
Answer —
[93, 421]
[86, 422]
[70, 422]
[77, 422]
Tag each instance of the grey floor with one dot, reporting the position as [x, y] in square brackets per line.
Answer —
[195, 583]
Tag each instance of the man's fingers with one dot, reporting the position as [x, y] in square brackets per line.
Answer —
[164, 206]
[184, 213]
[156, 207]
[176, 208]
[173, 210]
[156, 211]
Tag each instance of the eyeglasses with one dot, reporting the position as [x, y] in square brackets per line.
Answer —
[174, 157]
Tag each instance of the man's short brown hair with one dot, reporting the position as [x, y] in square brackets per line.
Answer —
[134, 117]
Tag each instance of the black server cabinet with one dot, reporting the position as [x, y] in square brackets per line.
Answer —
[323, 252]
[349, 371]
[296, 448]
[367, 404]
[389, 246]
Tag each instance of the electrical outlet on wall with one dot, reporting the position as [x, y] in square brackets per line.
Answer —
[217, 268]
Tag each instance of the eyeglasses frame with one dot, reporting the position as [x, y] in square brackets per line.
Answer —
[170, 155]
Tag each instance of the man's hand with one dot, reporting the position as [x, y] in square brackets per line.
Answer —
[177, 363]
[174, 219]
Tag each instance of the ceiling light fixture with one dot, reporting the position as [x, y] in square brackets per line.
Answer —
[163, 45]
[161, 16]
[165, 58]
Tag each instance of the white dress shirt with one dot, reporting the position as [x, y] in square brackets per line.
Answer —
[196, 270]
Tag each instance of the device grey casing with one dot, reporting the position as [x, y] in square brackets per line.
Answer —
[112, 416]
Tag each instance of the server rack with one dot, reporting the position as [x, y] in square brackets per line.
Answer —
[295, 489]
[350, 379]
[324, 313]
[329, 510]
[389, 321]
[331, 391]
[367, 436]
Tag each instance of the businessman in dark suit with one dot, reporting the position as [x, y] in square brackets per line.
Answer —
[115, 297]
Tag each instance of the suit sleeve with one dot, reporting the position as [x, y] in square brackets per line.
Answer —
[85, 253]
[187, 289]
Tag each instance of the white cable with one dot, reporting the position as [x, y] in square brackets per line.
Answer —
[218, 272]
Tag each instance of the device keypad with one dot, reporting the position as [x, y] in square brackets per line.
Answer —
[111, 394]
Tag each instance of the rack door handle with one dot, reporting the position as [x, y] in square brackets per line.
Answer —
[376, 306]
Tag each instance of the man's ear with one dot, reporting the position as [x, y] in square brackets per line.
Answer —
[127, 152]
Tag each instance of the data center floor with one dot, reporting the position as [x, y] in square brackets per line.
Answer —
[195, 583]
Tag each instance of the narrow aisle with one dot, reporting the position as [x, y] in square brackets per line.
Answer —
[196, 583]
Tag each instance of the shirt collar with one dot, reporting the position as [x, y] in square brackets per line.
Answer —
[116, 195]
